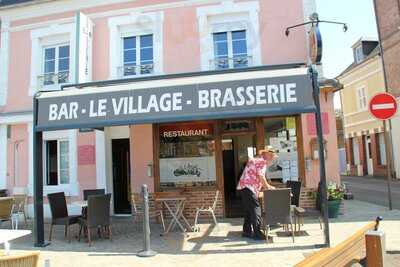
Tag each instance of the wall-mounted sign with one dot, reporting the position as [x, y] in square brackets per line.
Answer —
[311, 126]
[186, 130]
[315, 45]
[238, 125]
[86, 155]
[213, 96]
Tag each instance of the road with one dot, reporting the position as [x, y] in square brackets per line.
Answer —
[373, 190]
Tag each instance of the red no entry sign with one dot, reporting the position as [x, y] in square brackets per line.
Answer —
[383, 106]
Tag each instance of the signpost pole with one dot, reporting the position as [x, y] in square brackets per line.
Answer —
[387, 132]
[321, 153]
[383, 106]
[389, 160]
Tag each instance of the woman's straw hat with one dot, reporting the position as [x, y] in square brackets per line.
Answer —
[268, 149]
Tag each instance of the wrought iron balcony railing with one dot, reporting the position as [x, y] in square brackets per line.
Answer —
[132, 70]
[230, 62]
[51, 79]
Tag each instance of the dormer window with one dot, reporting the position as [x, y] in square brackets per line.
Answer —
[358, 54]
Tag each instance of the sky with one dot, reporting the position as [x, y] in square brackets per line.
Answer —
[360, 18]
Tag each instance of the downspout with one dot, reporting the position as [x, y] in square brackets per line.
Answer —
[16, 154]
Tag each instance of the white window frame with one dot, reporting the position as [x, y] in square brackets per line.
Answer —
[362, 99]
[56, 69]
[358, 54]
[52, 35]
[138, 47]
[58, 161]
[72, 188]
[135, 24]
[230, 46]
[225, 17]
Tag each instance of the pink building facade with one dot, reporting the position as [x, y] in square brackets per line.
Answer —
[39, 51]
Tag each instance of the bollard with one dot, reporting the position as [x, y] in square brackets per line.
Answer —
[146, 252]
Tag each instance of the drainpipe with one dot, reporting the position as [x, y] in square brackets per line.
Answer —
[16, 154]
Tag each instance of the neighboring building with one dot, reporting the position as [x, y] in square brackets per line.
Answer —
[364, 138]
[388, 18]
[44, 46]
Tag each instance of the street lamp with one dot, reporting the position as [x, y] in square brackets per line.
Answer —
[315, 56]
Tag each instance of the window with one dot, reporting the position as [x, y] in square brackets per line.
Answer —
[356, 153]
[55, 65]
[280, 134]
[381, 148]
[187, 155]
[230, 49]
[361, 99]
[57, 162]
[358, 54]
[138, 55]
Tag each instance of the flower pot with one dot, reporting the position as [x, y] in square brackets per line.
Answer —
[333, 208]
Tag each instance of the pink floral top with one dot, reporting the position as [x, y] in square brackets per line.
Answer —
[255, 167]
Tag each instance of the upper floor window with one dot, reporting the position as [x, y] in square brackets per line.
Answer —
[361, 99]
[56, 61]
[230, 50]
[137, 55]
[358, 54]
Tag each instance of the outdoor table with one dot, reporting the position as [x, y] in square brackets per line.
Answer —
[7, 235]
[177, 214]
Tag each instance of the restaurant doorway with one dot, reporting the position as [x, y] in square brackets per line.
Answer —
[121, 176]
[236, 151]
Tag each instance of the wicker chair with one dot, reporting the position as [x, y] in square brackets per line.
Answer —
[6, 210]
[277, 209]
[98, 216]
[92, 192]
[21, 260]
[59, 213]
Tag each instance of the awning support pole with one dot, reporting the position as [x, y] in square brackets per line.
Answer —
[38, 227]
[321, 153]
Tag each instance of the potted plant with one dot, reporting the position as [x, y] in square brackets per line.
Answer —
[335, 197]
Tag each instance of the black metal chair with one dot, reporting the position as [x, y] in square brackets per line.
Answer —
[277, 209]
[98, 216]
[295, 187]
[92, 192]
[59, 213]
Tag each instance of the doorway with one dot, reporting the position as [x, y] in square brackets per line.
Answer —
[236, 151]
[368, 154]
[121, 176]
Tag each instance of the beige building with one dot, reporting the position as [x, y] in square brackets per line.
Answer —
[364, 140]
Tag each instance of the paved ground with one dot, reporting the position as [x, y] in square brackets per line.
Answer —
[213, 246]
[373, 190]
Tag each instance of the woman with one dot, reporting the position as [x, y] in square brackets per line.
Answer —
[250, 184]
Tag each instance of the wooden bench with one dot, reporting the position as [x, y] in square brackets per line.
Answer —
[346, 253]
